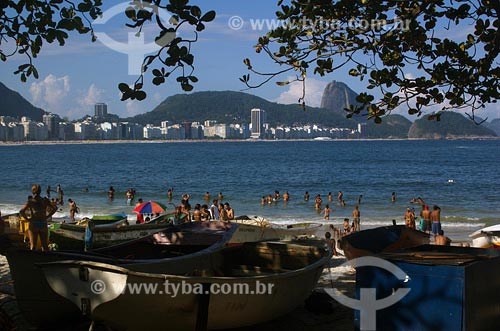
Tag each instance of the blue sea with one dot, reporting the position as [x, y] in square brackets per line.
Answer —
[460, 176]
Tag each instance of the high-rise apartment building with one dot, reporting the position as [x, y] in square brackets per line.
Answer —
[258, 117]
[52, 123]
[101, 110]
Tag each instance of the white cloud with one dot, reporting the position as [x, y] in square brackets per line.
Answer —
[51, 92]
[85, 102]
[133, 107]
[314, 92]
[92, 96]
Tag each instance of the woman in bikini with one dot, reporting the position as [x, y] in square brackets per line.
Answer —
[40, 211]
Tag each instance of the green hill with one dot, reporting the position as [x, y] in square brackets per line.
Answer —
[234, 107]
[494, 126]
[451, 125]
[14, 105]
[392, 126]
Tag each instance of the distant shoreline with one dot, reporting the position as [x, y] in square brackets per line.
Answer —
[164, 141]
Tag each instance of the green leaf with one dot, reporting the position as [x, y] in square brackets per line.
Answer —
[208, 17]
[130, 13]
[200, 27]
[196, 11]
[187, 87]
[123, 87]
[158, 80]
[188, 59]
[84, 7]
[35, 72]
[140, 95]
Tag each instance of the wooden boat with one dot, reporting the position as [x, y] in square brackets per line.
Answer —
[381, 239]
[11, 228]
[158, 252]
[280, 231]
[102, 219]
[488, 237]
[75, 237]
[233, 287]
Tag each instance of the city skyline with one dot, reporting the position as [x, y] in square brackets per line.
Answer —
[51, 129]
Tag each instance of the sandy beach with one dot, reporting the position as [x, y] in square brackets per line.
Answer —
[318, 313]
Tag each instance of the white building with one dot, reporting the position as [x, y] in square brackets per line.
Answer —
[152, 132]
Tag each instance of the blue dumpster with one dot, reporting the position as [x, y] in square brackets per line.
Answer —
[451, 288]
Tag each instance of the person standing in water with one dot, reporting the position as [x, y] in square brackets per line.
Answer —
[40, 211]
[435, 218]
[73, 209]
[60, 195]
[327, 211]
[111, 193]
[356, 215]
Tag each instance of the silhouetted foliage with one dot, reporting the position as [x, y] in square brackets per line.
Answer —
[27, 24]
[409, 50]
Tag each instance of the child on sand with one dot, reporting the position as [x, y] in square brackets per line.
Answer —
[331, 242]
[347, 229]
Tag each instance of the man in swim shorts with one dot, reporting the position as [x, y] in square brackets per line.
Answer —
[435, 218]
[426, 215]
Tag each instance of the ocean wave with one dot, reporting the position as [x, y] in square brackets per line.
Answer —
[473, 222]
[462, 225]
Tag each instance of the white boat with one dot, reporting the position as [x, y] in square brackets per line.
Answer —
[488, 237]
[268, 230]
[234, 287]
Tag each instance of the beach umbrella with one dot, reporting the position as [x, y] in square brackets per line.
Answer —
[150, 207]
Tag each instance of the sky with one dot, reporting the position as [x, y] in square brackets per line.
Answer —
[76, 76]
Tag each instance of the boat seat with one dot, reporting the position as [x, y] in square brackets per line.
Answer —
[252, 270]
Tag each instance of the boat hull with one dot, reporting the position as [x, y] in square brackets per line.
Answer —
[277, 277]
[487, 241]
[381, 239]
[488, 237]
[250, 229]
[72, 237]
[43, 307]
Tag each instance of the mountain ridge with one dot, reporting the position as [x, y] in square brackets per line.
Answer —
[14, 105]
[234, 107]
